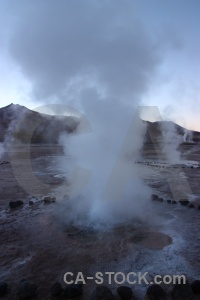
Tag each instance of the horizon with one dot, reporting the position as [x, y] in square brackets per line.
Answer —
[50, 112]
[136, 52]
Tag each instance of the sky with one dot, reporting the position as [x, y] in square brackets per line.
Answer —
[145, 52]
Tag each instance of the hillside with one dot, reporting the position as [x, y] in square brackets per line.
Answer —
[26, 126]
[155, 131]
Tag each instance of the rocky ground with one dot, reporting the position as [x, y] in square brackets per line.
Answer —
[36, 246]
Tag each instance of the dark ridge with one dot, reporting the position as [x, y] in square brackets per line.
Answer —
[25, 125]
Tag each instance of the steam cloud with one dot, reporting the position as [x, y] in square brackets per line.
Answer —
[170, 142]
[114, 192]
[187, 137]
[95, 56]
[1, 150]
[80, 49]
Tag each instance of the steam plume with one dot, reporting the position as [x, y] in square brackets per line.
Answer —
[97, 57]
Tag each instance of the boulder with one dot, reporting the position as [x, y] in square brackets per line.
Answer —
[3, 288]
[191, 205]
[102, 293]
[184, 202]
[182, 292]
[160, 199]
[125, 292]
[169, 201]
[154, 197]
[56, 289]
[195, 285]
[27, 290]
[73, 290]
[48, 199]
[4, 162]
[156, 292]
[16, 204]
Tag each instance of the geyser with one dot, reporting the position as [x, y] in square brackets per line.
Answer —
[98, 56]
[170, 142]
[113, 193]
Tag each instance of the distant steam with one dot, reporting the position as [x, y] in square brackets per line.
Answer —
[170, 142]
[1, 150]
[188, 136]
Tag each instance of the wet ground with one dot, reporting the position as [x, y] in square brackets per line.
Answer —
[34, 243]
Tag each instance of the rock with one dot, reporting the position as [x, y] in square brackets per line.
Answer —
[73, 290]
[199, 207]
[195, 285]
[4, 162]
[27, 290]
[154, 197]
[184, 202]
[125, 292]
[102, 293]
[56, 289]
[174, 202]
[182, 292]
[169, 201]
[49, 199]
[156, 292]
[191, 205]
[3, 288]
[15, 204]
[160, 199]
[31, 203]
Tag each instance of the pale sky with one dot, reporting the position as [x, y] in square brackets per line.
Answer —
[141, 51]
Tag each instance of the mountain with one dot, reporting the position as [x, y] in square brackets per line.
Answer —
[155, 131]
[27, 126]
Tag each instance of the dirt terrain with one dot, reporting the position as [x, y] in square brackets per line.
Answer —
[35, 244]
